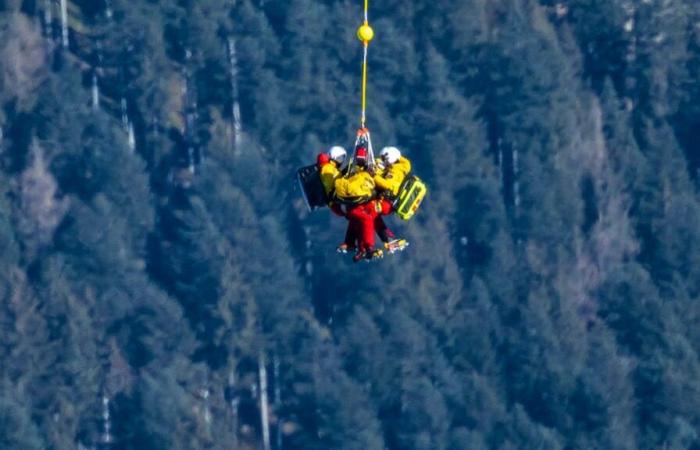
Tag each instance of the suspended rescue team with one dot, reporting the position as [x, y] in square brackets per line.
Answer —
[361, 188]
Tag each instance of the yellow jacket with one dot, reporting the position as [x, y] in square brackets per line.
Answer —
[357, 188]
[391, 178]
[329, 172]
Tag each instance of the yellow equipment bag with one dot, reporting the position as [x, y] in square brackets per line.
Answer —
[356, 189]
[410, 197]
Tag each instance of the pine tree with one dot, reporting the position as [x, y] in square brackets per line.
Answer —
[17, 430]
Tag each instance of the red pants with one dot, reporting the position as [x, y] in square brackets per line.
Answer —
[386, 207]
[382, 230]
[361, 225]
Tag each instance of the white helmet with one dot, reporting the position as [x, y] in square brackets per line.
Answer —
[338, 154]
[390, 154]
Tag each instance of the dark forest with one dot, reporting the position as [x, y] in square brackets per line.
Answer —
[163, 286]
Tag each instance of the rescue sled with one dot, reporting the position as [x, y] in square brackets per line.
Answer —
[311, 187]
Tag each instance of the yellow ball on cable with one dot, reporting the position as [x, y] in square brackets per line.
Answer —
[365, 33]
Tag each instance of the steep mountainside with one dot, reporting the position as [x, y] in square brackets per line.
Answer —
[163, 287]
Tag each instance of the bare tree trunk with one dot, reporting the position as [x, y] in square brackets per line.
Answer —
[278, 401]
[108, 9]
[128, 126]
[125, 114]
[48, 20]
[206, 408]
[190, 116]
[235, 105]
[500, 164]
[264, 415]
[106, 420]
[64, 23]
[95, 92]
[631, 52]
[516, 183]
[234, 405]
[131, 136]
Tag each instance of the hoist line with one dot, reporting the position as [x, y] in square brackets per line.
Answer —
[364, 86]
[365, 44]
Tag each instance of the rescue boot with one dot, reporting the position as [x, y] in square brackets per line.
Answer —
[384, 234]
[359, 256]
[395, 245]
[344, 248]
[374, 254]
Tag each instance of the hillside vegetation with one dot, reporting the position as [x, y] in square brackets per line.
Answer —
[163, 287]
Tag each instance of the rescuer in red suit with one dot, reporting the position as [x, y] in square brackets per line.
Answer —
[361, 216]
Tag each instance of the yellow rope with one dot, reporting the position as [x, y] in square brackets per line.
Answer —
[364, 70]
[364, 86]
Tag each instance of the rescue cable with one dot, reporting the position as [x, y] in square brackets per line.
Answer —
[365, 34]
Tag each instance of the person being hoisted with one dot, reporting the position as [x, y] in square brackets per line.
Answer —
[388, 182]
[357, 190]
